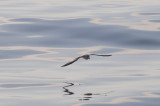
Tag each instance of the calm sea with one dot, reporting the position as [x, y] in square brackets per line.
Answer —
[37, 37]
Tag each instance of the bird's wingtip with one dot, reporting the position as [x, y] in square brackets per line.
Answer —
[64, 65]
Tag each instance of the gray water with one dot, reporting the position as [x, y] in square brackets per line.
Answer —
[37, 37]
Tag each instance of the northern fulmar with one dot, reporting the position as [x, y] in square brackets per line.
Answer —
[86, 57]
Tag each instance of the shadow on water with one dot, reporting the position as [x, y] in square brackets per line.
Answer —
[85, 96]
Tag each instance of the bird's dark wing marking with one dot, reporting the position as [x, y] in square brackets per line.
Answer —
[71, 62]
[100, 55]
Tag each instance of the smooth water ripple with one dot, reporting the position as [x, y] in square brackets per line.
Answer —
[37, 37]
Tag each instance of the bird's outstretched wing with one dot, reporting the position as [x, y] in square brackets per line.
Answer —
[100, 55]
[71, 62]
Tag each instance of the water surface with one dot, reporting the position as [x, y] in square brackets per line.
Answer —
[37, 37]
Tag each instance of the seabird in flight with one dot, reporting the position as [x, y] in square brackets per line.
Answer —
[86, 57]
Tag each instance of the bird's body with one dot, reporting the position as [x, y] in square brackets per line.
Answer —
[86, 57]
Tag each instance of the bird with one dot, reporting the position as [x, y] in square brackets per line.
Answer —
[86, 57]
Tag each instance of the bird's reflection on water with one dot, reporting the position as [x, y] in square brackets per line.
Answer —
[85, 96]
[88, 96]
[67, 91]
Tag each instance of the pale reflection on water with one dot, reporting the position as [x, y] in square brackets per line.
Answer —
[37, 37]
